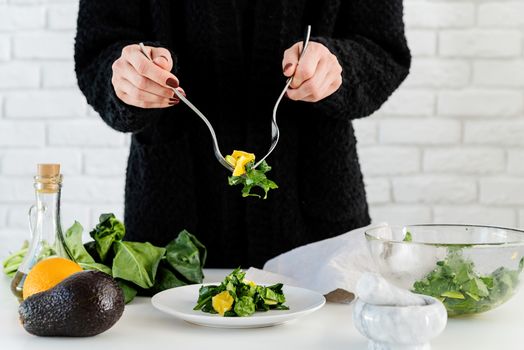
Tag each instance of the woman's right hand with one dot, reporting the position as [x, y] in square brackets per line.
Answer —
[143, 83]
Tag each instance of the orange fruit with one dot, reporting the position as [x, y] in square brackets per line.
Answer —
[48, 273]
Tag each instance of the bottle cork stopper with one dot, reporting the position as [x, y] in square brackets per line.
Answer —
[48, 170]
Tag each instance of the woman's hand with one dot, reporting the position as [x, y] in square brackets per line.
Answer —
[316, 77]
[141, 83]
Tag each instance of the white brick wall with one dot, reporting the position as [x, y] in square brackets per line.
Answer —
[447, 147]
[45, 118]
[480, 43]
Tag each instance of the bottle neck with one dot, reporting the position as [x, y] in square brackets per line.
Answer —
[49, 203]
[48, 189]
[47, 225]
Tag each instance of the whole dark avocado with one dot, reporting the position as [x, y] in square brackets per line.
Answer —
[86, 303]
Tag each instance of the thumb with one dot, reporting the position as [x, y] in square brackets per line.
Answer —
[162, 58]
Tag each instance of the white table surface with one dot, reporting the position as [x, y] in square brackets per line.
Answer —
[145, 328]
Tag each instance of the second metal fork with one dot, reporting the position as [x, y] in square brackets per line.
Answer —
[275, 132]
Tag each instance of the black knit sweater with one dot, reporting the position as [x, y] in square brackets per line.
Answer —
[173, 180]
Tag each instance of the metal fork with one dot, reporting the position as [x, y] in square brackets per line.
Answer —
[275, 133]
[216, 149]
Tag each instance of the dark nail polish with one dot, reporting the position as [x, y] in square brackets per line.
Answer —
[287, 66]
[172, 82]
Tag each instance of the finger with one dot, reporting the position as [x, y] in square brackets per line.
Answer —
[179, 89]
[126, 98]
[307, 66]
[147, 68]
[138, 96]
[144, 104]
[331, 84]
[328, 87]
[290, 60]
[311, 88]
[143, 83]
[333, 79]
[161, 57]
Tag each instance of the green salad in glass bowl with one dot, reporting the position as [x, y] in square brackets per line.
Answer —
[470, 268]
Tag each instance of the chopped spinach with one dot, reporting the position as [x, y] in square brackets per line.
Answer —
[254, 178]
[247, 296]
[455, 282]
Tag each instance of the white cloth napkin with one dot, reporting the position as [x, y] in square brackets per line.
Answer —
[331, 266]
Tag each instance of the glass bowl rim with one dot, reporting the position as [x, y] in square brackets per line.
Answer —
[370, 236]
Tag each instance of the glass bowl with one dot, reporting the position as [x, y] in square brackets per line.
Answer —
[470, 268]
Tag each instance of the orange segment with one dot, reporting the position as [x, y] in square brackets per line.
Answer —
[222, 302]
[237, 154]
[240, 166]
[48, 273]
[241, 159]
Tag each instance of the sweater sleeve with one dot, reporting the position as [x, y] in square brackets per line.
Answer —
[104, 28]
[371, 47]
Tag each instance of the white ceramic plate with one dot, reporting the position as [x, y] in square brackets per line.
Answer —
[180, 301]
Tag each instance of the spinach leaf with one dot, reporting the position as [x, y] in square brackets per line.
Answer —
[108, 230]
[408, 237]
[90, 247]
[73, 242]
[187, 255]
[96, 266]
[128, 289]
[137, 262]
[205, 294]
[165, 279]
[254, 178]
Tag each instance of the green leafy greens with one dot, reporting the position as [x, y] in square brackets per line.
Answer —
[455, 282]
[254, 178]
[247, 296]
[108, 231]
[11, 263]
[140, 268]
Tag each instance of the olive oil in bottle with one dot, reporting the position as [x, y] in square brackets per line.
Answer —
[45, 227]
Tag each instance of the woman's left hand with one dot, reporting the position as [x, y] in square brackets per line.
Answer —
[317, 76]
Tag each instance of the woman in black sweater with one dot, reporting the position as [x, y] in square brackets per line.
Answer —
[231, 58]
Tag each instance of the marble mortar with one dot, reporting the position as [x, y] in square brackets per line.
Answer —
[396, 319]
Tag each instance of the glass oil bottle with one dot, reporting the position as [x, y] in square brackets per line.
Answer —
[45, 227]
